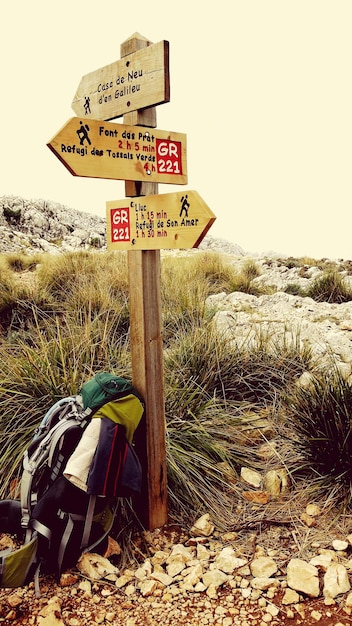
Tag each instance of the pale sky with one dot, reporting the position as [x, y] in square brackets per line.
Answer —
[261, 88]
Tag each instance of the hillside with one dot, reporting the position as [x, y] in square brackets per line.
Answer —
[43, 226]
[273, 544]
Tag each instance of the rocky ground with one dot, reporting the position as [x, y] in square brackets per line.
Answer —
[284, 566]
[234, 588]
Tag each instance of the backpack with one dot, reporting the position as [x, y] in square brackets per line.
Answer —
[80, 461]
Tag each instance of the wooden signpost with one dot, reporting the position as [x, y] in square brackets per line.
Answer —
[173, 220]
[138, 81]
[143, 224]
[106, 150]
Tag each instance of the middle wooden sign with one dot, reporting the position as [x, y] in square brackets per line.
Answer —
[96, 149]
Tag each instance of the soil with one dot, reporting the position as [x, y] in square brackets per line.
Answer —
[76, 601]
[77, 610]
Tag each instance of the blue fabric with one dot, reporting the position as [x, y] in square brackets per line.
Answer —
[115, 470]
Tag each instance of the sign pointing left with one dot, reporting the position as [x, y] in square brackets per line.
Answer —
[108, 150]
[135, 82]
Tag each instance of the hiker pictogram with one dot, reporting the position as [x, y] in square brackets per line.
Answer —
[184, 205]
[87, 105]
[82, 133]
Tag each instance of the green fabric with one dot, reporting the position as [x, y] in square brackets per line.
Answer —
[17, 564]
[103, 388]
[105, 518]
[126, 411]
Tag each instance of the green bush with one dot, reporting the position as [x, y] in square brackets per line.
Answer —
[72, 320]
[320, 422]
[330, 287]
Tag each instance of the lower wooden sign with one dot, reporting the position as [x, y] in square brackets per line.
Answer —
[165, 221]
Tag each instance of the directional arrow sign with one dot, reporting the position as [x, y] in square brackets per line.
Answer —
[166, 221]
[137, 81]
[106, 150]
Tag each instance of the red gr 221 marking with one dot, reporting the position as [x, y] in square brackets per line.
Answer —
[169, 156]
[120, 225]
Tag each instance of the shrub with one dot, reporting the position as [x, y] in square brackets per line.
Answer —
[196, 455]
[20, 262]
[329, 287]
[252, 373]
[215, 270]
[183, 295]
[75, 321]
[50, 361]
[294, 289]
[319, 416]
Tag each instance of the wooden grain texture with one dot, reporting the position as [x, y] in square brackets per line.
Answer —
[147, 349]
[99, 149]
[160, 222]
[138, 80]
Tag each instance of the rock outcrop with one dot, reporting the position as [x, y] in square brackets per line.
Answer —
[325, 328]
[42, 226]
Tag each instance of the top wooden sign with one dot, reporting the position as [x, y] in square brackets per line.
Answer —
[137, 81]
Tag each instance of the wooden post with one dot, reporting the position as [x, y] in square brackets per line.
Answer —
[146, 337]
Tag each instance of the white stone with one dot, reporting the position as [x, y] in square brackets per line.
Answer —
[180, 551]
[339, 545]
[203, 553]
[322, 561]
[86, 587]
[227, 560]
[322, 326]
[263, 567]
[148, 587]
[203, 526]
[313, 510]
[162, 577]
[251, 477]
[95, 566]
[272, 483]
[303, 577]
[123, 580]
[193, 576]
[144, 570]
[316, 615]
[263, 583]
[130, 590]
[272, 610]
[199, 587]
[159, 557]
[336, 581]
[214, 578]
[212, 592]
[175, 567]
[290, 597]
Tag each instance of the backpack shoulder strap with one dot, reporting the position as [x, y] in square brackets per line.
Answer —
[44, 452]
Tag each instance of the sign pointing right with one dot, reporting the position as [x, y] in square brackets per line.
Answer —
[166, 221]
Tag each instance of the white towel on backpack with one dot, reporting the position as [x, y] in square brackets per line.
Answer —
[78, 465]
